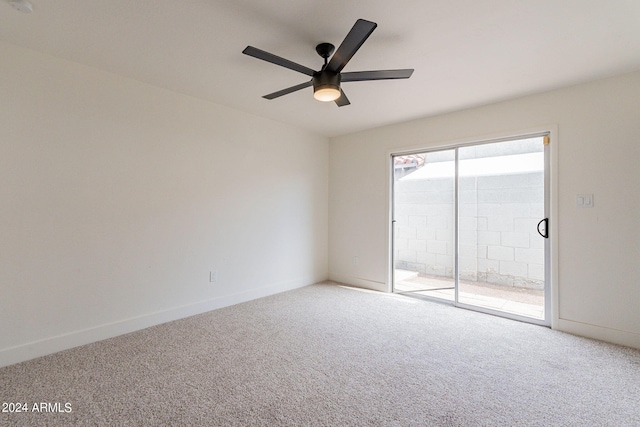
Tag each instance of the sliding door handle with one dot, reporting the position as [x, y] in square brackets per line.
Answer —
[544, 234]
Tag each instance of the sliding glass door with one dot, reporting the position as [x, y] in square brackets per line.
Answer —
[469, 226]
[424, 213]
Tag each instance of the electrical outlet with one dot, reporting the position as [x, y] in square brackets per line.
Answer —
[213, 276]
[355, 260]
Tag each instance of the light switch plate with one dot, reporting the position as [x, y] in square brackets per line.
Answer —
[584, 200]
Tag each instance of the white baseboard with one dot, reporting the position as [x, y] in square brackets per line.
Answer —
[31, 350]
[359, 282]
[614, 336]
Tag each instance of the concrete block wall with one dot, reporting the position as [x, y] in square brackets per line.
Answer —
[498, 239]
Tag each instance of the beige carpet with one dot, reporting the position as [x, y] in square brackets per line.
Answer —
[327, 355]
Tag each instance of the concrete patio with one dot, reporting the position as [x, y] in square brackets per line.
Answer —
[510, 299]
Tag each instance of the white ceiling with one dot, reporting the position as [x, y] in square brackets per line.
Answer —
[465, 52]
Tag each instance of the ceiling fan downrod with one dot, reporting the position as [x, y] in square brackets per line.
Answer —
[325, 50]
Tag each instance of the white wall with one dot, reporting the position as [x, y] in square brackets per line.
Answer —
[597, 292]
[117, 199]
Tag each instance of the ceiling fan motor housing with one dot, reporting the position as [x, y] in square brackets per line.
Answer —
[326, 80]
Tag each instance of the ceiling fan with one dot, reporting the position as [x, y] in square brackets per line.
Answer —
[326, 82]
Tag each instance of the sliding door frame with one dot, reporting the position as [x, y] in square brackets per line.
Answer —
[550, 211]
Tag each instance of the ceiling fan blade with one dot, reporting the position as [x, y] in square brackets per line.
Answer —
[359, 33]
[274, 59]
[288, 90]
[358, 76]
[343, 100]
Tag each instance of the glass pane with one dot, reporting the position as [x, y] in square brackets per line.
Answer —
[501, 201]
[424, 249]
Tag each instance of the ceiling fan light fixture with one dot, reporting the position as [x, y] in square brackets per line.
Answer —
[326, 94]
[326, 86]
